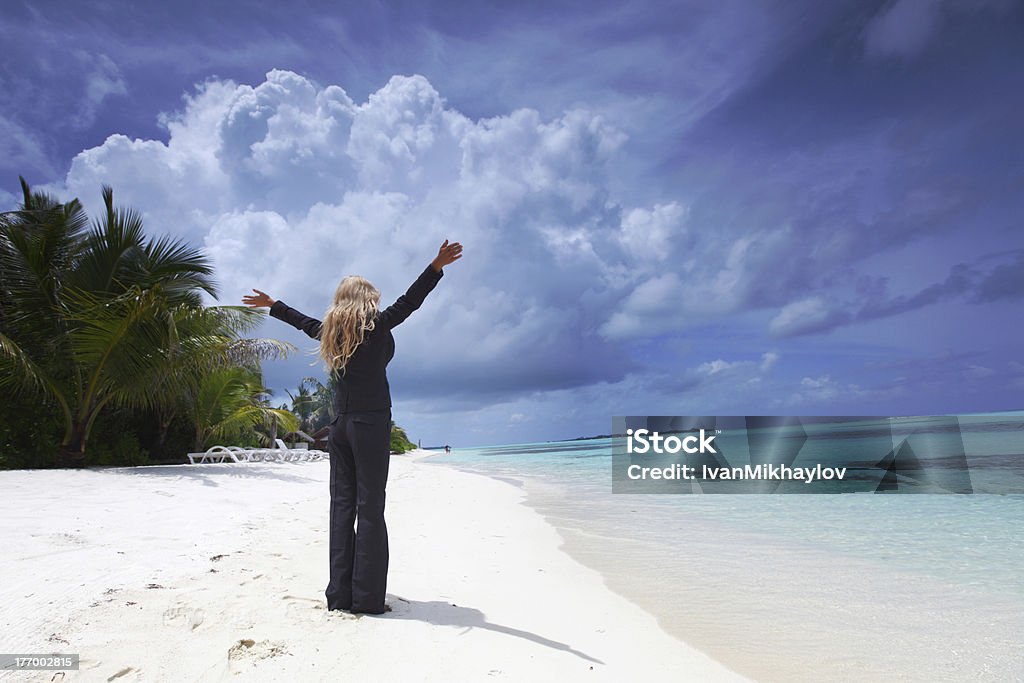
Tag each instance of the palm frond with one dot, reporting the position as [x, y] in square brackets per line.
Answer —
[113, 254]
[18, 372]
[178, 267]
[250, 351]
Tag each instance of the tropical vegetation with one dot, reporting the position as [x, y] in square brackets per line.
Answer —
[108, 354]
[313, 403]
[99, 324]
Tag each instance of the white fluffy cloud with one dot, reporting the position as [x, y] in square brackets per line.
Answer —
[290, 186]
[648, 233]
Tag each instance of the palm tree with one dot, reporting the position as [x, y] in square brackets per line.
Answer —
[229, 405]
[322, 400]
[206, 340]
[303, 403]
[321, 404]
[104, 316]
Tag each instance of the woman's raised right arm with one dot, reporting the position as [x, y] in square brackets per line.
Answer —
[282, 311]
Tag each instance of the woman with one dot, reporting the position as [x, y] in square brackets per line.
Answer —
[356, 343]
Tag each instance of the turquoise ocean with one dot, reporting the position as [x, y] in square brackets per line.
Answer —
[795, 587]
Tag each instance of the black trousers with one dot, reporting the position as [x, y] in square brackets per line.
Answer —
[360, 448]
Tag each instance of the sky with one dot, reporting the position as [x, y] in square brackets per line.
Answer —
[736, 207]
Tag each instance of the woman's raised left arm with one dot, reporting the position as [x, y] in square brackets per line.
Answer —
[396, 313]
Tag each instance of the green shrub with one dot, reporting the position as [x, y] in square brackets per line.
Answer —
[399, 440]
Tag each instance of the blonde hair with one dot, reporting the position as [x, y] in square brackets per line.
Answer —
[348, 320]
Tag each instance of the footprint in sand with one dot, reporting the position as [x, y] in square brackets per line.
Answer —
[249, 649]
[338, 615]
[183, 616]
[254, 577]
[304, 609]
[123, 672]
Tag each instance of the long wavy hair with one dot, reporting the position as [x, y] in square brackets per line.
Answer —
[347, 322]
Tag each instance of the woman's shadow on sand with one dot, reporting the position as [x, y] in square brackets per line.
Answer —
[442, 613]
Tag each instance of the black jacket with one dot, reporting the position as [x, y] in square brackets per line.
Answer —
[364, 383]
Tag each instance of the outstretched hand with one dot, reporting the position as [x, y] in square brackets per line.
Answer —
[448, 253]
[257, 300]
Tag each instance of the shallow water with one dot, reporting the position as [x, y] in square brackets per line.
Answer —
[794, 587]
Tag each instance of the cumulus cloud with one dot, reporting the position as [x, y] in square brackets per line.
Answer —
[290, 185]
[648, 233]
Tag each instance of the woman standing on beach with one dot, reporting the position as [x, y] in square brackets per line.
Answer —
[356, 344]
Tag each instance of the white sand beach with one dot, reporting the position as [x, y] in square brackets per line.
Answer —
[216, 572]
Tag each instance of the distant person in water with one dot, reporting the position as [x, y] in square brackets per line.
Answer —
[447, 449]
[356, 344]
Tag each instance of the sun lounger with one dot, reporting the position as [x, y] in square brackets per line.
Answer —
[219, 454]
[298, 454]
[281, 453]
